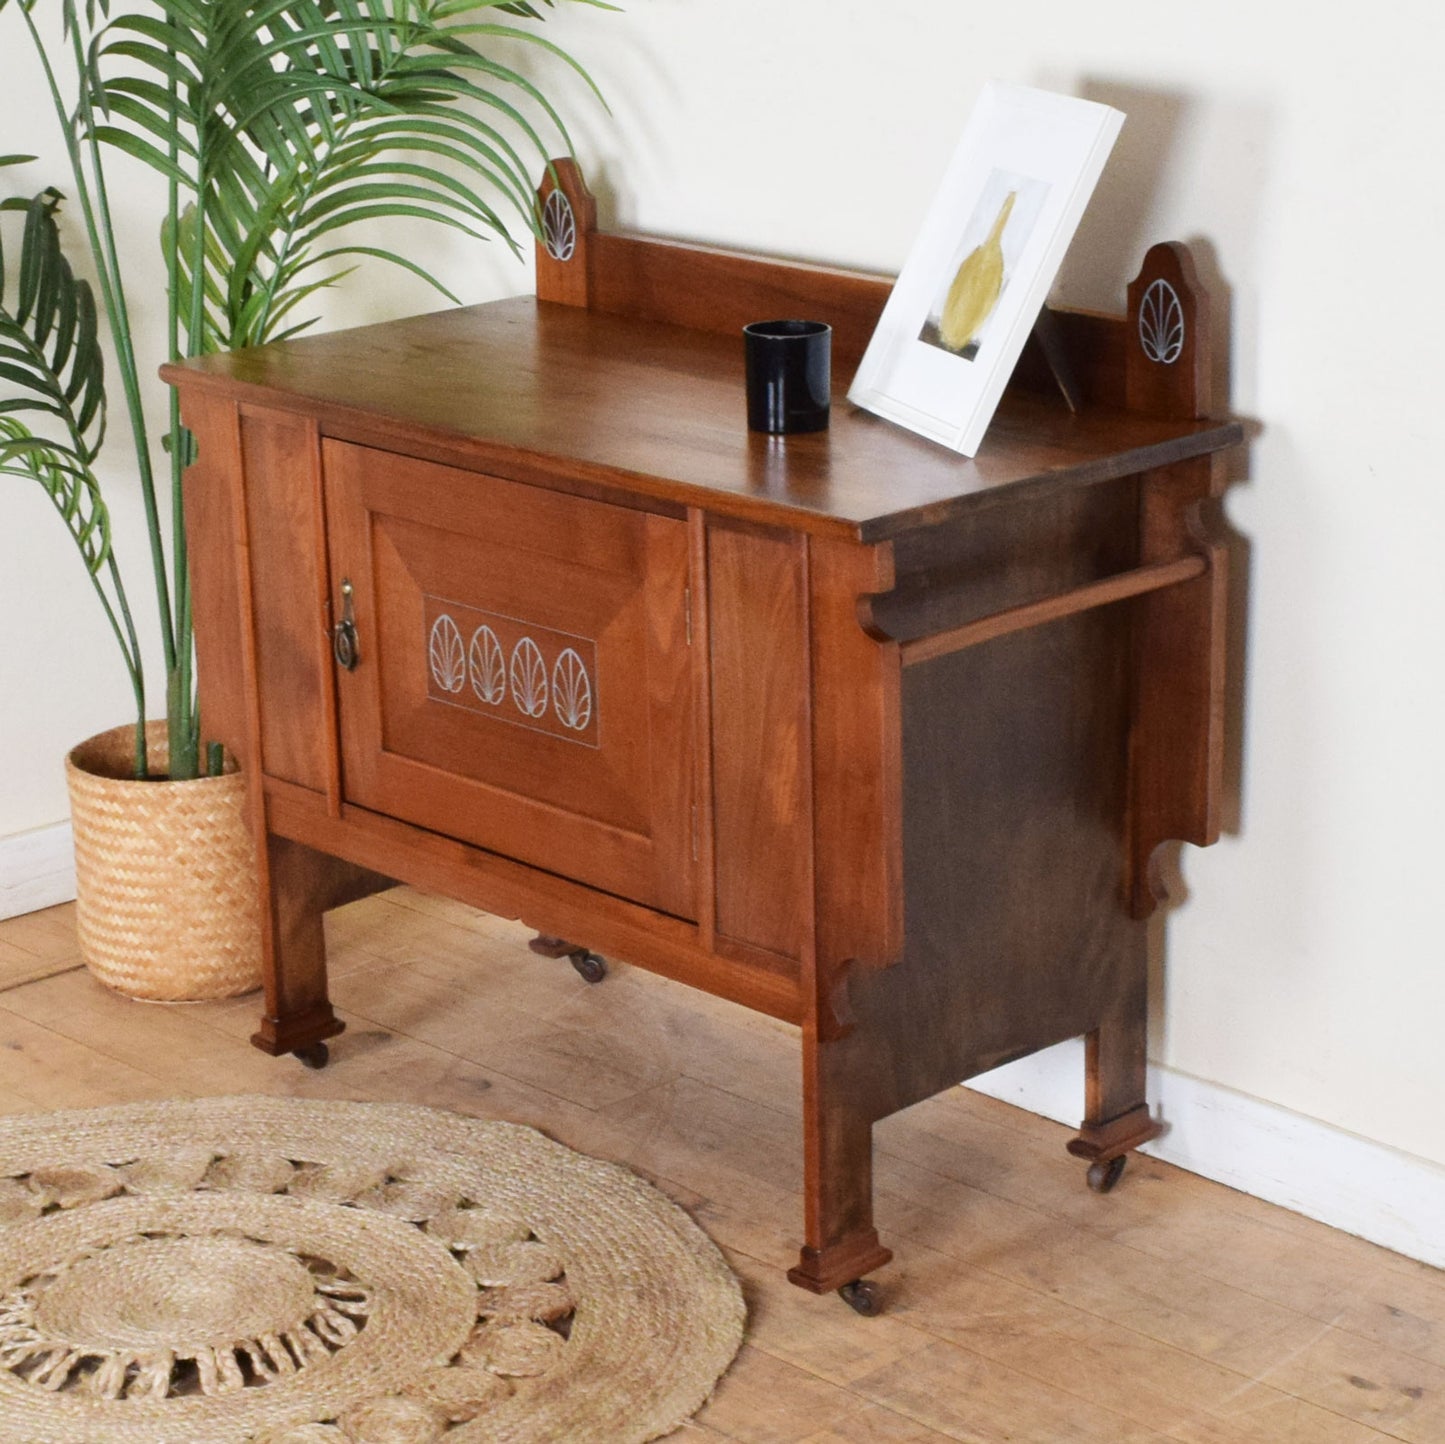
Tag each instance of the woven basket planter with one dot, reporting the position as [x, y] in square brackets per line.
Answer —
[165, 875]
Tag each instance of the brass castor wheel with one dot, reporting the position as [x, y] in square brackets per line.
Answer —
[314, 1055]
[1104, 1174]
[591, 967]
[863, 1296]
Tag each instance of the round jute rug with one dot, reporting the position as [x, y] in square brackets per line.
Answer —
[300, 1272]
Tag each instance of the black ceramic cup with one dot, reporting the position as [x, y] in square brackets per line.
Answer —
[789, 370]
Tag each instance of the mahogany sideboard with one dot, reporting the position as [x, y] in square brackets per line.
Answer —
[507, 603]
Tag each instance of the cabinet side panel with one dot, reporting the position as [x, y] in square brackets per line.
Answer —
[759, 662]
[1015, 790]
[1015, 782]
[211, 484]
[1015, 798]
[292, 664]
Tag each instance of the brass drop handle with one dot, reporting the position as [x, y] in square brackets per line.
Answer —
[344, 646]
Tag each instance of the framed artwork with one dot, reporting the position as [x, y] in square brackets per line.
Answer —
[991, 244]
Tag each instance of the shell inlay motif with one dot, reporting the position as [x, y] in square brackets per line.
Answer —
[529, 678]
[514, 671]
[447, 656]
[1161, 323]
[571, 691]
[559, 227]
[488, 667]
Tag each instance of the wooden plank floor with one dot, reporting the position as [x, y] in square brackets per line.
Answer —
[1021, 1307]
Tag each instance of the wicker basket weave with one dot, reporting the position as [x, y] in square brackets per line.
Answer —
[165, 875]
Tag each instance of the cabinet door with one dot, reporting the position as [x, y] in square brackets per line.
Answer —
[523, 679]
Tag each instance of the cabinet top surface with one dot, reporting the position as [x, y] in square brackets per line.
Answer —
[658, 410]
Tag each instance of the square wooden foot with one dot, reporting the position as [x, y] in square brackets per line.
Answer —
[1099, 1142]
[821, 1271]
[278, 1036]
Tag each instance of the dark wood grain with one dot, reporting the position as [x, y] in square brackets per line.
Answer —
[857, 767]
[293, 664]
[1094, 345]
[1134, 583]
[858, 907]
[1177, 739]
[1014, 816]
[759, 686]
[706, 289]
[555, 905]
[659, 410]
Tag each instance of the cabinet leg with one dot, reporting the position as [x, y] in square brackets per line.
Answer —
[841, 1241]
[1117, 1109]
[298, 886]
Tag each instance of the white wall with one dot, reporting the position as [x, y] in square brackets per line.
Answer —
[1304, 968]
[61, 678]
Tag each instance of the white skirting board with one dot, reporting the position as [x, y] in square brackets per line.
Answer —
[1368, 1189]
[37, 870]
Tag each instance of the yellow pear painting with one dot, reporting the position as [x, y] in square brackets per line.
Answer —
[976, 287]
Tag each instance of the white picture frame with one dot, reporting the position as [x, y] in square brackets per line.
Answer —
[982, 265]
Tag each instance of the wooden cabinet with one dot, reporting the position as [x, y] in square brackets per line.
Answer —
[507, 603]
[525, 685]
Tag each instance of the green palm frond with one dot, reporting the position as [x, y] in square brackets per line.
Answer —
[50, 356]
[69, 483]
[291, 121]
[52, 406]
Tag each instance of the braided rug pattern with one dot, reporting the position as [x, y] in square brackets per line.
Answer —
[285, 1271]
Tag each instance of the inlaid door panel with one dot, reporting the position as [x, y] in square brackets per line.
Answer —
[522, 681]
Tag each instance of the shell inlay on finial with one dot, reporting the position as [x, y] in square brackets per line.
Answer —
[1161, 323]
[559, 227]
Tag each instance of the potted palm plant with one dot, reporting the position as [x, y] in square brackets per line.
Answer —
[278, 127]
